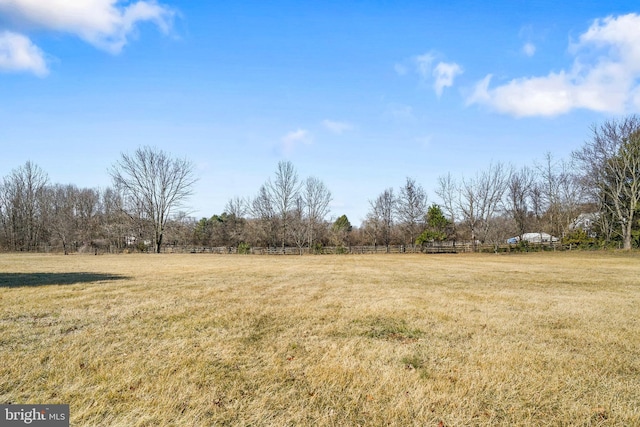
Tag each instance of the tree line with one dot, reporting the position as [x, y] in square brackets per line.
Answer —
[593, 199]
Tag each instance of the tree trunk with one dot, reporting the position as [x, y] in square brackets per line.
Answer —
[627, 235]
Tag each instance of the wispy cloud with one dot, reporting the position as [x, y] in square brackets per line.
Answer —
[400, 69]
[105, 24]
[424, 64]
[438, 74]
[529, 49]
[399, 112]
[444, 73]
[527, 34]
[294, 138]
[18, 54]
[337, 127]
[604, 76]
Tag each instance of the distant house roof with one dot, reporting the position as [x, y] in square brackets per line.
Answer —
[585, 221]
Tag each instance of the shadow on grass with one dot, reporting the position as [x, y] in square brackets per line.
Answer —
[16, 280]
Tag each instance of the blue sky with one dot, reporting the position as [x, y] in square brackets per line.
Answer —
[360, 94]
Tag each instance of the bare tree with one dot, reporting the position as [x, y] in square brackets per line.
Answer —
[480, 199]
[491, 186]
[236, 206]
[381, 215]
[552, 173]
[22, 197]
[500, 230]
[560, 195]
[115, 223]
[154, 182]
[62, 220]
[298, 227]
[610, 166]
[77, 216]
[262, 209]
[468, 205]
[179, 230]
[370, 229]
[316, 197]
[410, 209]
[87, 213]
[537, 205]
[572, 196]
[449, 191]
[236, 210]
[283, 192]
[519, 192]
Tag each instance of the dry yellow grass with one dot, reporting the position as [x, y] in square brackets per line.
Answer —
[401, 340]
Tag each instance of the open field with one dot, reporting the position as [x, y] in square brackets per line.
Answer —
[198, 340]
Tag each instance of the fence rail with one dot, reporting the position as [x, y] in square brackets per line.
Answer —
[444, 248]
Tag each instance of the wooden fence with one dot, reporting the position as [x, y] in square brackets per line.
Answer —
[444, 248]
[441, 248]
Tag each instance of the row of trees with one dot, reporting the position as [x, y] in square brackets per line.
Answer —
[142, 208]
[610, 173]
[34, 213]
[137, 211]
[601, 180]
[286, 211]
[497, 203]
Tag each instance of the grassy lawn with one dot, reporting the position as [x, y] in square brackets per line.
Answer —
[401, 340]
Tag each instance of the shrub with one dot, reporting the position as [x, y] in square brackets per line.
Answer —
[318, 249]
[341, 250]
[244, 248]
[579, 239]
[142, 247]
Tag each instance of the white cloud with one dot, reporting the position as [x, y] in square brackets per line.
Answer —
[19, 54]
[400, 69]
[604, 76]
[529, 49]
[336, 127]
[423, 64]
[527, 33]
[293, 138]
[444, 73]
[102, 23]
